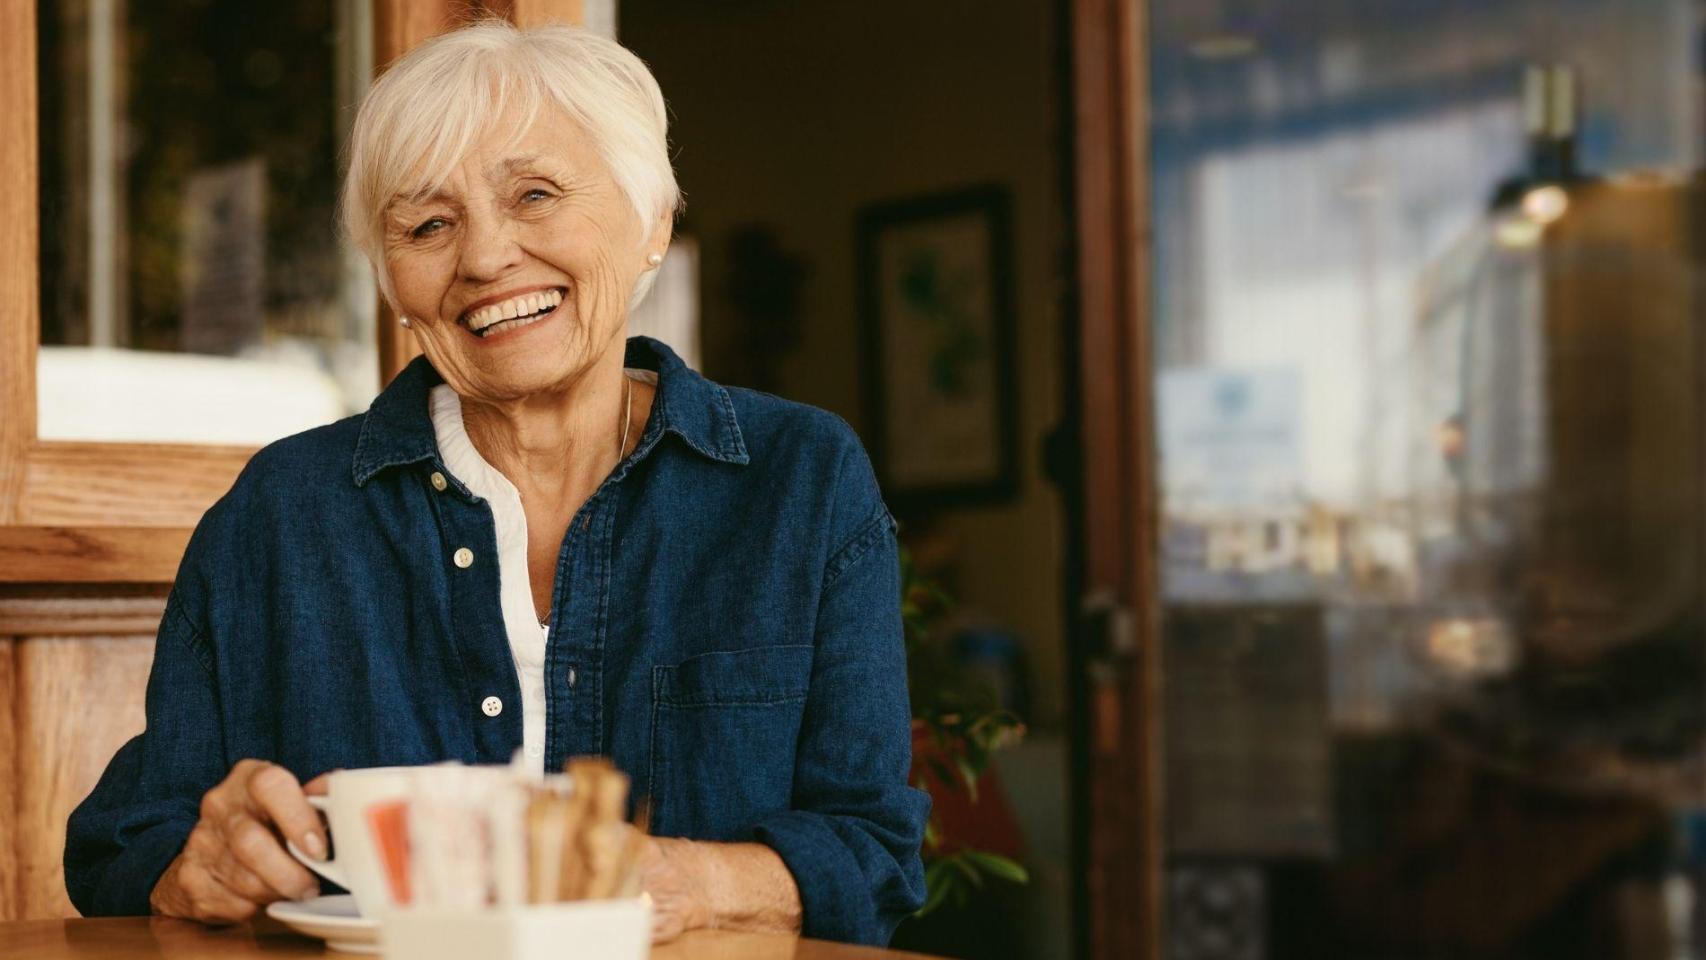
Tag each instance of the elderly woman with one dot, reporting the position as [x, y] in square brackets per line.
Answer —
[543, 536]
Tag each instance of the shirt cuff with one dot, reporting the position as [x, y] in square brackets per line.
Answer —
[836, 899]
[123, 885]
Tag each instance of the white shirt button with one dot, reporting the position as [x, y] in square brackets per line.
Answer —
[535, 752]
[492, 706]
[572, 677]
[464, 557]
[438, 481]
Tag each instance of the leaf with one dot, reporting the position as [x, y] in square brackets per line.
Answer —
[998, 866]
[944, 775]
[966, 869]
[932, 834]
[939, 883]
[969, 773]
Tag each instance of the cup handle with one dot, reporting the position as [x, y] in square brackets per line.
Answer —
[325, 868]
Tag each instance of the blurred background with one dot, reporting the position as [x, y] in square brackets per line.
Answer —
[1293, 409]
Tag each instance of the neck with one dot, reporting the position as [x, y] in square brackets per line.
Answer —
[557, 445]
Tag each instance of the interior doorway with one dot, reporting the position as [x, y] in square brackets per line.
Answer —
[847, 166]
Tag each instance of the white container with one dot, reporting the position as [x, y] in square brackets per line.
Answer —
[589, 929]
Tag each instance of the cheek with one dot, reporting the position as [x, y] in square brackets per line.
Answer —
[602, 277]
[419, 280]
[586, 246]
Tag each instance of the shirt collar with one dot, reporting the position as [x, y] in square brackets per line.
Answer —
[397, 429]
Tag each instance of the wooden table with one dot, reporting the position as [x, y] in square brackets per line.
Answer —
[157, 937]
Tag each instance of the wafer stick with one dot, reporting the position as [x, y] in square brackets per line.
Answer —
[546, 829]
[602, 841]
[578, 813]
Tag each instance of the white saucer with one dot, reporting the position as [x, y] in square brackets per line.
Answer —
[332, 919]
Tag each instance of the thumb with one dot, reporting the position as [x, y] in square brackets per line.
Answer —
[318, 785]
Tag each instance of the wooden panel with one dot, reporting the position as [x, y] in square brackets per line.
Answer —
[113, 484]
[78, 701]
[8, 785]
[70, 610]
[396, 345]
[399, 25]
[528, 13]
[19, 295]
[91, 554]
[111, 513]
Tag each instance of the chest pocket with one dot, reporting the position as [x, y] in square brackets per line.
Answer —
[724, 730]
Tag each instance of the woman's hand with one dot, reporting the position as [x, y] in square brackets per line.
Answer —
[234, 861]
[669, 874]
[740, 886]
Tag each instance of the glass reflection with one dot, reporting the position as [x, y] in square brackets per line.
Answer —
[1429, 278]
[193, 286]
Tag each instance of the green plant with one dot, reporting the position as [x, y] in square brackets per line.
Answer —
[957, 725]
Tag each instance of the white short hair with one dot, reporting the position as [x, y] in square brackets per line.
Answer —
[435, 103]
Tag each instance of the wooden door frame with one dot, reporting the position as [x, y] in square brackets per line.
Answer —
[1116, 640]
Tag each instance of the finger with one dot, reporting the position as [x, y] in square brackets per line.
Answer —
[256, 849]
[275, 794]
[217, 804]
[318, 786]
[665, 928]
[239, 881]
[209, 899]
[228, 908]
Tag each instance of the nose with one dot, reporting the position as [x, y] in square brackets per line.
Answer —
[489, 249]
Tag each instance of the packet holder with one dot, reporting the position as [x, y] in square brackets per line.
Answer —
[618, 929]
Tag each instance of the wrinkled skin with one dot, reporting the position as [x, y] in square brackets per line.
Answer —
[234, 862]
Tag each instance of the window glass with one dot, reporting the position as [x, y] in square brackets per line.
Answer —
[193, 284]
[1427, 320]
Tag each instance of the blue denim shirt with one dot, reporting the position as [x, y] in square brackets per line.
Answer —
[725, 625]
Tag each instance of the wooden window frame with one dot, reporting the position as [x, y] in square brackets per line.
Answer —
[90, 512]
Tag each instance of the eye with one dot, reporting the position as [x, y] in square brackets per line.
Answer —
[534, 193]
[428, 228]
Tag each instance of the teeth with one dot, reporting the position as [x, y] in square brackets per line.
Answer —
[503, 325]
[523, 306]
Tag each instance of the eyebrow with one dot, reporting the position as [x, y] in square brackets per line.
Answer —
[507, 166]
[513, 164]
[420, 198]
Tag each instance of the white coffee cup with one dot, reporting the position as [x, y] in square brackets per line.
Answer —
[357, 866]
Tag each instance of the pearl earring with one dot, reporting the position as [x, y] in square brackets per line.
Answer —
[655, 259]
[405, 322]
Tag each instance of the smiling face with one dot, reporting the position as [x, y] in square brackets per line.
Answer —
[516, 273]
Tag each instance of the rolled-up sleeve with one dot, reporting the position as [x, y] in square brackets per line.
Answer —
[122, 837]
[853, 836]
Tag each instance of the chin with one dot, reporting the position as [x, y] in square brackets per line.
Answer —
[530, 374]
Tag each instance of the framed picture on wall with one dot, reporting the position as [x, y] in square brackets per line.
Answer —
[936, 291]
